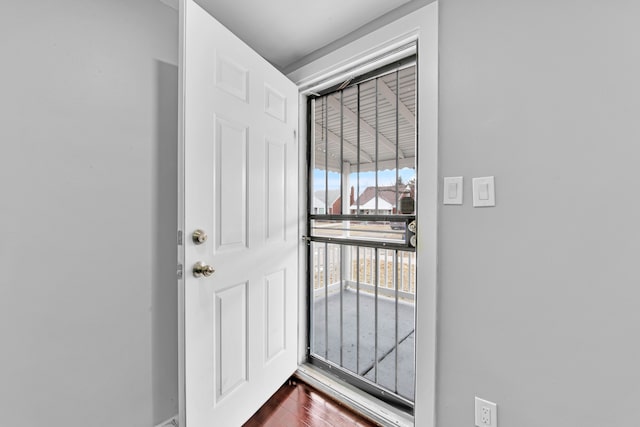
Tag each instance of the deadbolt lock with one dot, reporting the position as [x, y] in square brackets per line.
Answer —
[199, 237]
[201, 269]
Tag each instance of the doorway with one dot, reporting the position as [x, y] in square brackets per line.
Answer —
[362, 263]
[195, 298]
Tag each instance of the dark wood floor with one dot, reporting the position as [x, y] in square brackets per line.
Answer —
[297, 405]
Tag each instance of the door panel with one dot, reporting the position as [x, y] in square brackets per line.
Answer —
[276, 184]
[230, 177]
[275, 318]
[232, 78]
[239, 121]
[231, 339]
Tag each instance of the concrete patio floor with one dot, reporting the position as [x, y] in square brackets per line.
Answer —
[364, 360]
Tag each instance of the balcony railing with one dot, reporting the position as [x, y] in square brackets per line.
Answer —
[363, 315]
[362, 263]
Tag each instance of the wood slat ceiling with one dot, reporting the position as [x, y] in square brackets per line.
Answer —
[329, 127]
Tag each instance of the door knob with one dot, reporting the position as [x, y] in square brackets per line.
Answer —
[199, 237]
[201, 269]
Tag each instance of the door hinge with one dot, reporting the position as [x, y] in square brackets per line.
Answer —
[180, 237]
[179, 271]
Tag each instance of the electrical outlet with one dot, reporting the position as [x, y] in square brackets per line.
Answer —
[486, 413]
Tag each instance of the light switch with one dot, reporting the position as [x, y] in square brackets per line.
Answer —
[483, 189]
[484, 193]
[452, 192]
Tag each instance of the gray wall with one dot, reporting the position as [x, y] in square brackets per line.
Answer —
[87, 213]
[539, 297]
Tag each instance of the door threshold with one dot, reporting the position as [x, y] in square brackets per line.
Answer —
[362, 403]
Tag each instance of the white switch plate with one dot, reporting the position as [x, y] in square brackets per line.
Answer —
[452, 190]
[484, 193]
[486, 413]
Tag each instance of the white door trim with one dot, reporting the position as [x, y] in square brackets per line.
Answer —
[180, 232]
[421, 26]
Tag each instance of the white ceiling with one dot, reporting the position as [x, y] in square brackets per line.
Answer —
[285, 31]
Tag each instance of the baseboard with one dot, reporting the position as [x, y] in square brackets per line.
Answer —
[171, 422]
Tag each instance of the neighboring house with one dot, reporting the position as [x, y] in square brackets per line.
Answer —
[366, 202]
[332, 200]
[386, 200]
[318, 206]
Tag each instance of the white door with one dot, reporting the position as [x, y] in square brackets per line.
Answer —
[239, 155]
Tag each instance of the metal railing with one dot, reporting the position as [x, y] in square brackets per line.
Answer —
[359, 296]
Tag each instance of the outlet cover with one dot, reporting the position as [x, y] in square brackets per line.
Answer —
[486, 413]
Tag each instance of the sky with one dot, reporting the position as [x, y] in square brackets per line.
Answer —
[367, 179]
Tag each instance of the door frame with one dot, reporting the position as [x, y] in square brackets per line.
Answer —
[421, 27]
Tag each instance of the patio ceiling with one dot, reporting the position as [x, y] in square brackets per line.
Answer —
[378, 133]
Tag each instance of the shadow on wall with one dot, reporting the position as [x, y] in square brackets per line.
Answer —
[164, 304]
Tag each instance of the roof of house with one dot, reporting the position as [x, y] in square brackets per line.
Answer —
[333, 196]
[386, 193]
[386, 197]
[371, 204]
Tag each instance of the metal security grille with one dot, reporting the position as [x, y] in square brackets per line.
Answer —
[361, 232]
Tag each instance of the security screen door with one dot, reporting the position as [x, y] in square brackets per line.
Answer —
[239, 120]
[362, 255]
